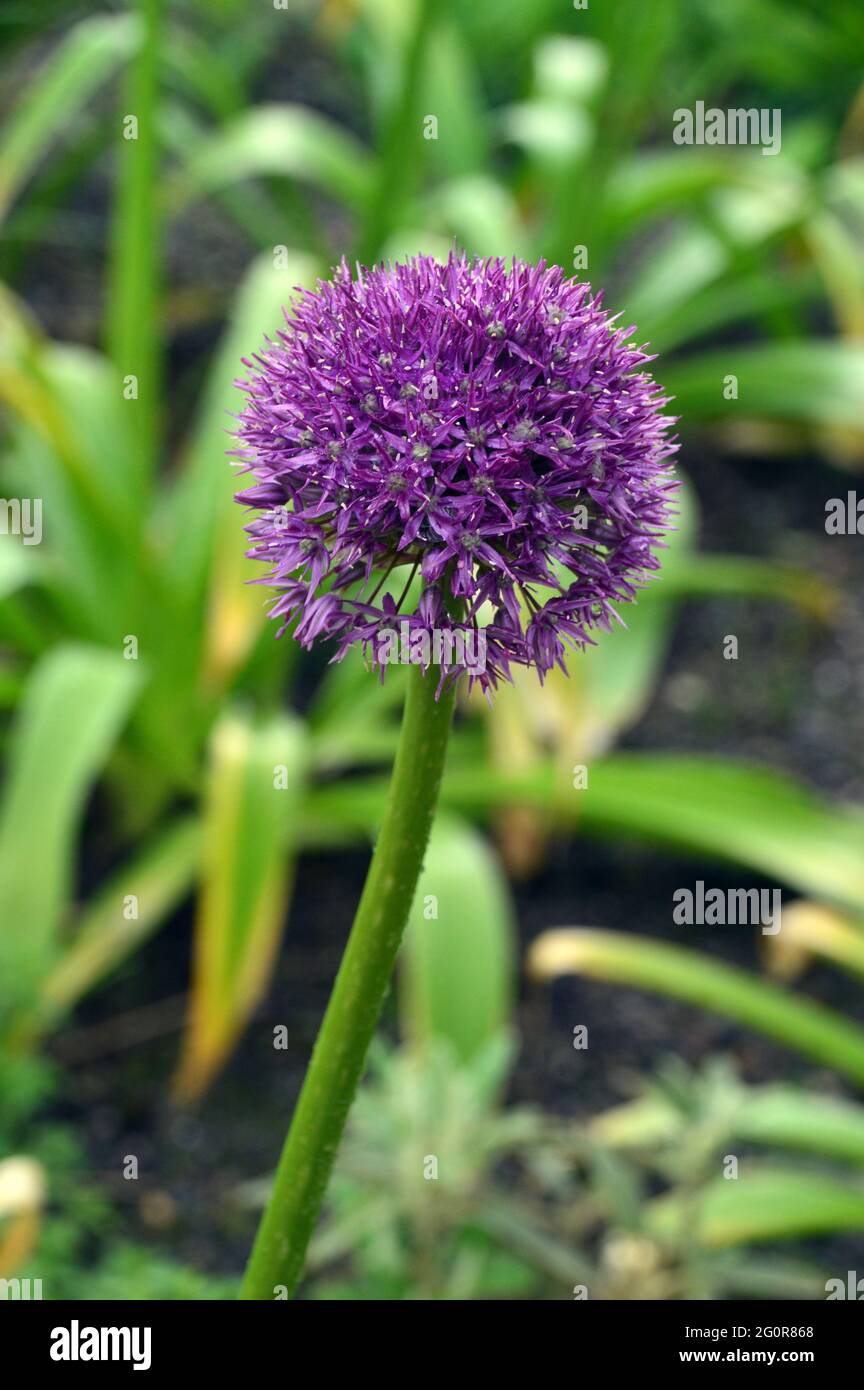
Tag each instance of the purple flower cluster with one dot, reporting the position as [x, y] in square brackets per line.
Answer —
[456, 446]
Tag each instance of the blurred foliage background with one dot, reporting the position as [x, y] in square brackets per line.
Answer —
[186, 803]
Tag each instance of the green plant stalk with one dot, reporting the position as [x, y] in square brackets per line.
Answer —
[278, 1256]
[132, 329]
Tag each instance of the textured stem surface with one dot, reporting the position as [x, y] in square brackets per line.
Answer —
[278, 1256]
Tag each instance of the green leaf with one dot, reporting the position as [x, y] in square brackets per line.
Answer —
[19, 566]
[773, 1278]
[517, 1229]
[132, 309]
[673, 273]
[788, 1118]
[741, 576]
[553, 135]
[201, 510]
[73, 427]
[289, 141]
[251, 812]
[462, 146]
[706, 806]
[554, 125]
[778, 1117]
[569, 70]
[619, 1186]
[222, 614]
[481, 213]
[818, 382]
[703, 274]
[91, 53]
[735, 297]
[751, 815]
[208, 74]
[768, 1203]
[75, 703]
[457, 961]
[682, 974]
[88, 396]
[400, 153]
[109, 930]
[656, 184]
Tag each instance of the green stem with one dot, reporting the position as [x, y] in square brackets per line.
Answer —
[358, 995]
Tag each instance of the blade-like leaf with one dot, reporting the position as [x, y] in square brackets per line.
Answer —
[706, 806]
[250, 818]
[207, 522]
[819, 382]
[766, 1204]
[779, 1117]
[751, 815]
[73, 427]
[722, 809]
[94, 50]
[784, 1117]
[457, 961]
[810, 929]
[740, 576]
[133, 329]
[126, 912]
[481, 214]
[75, 703]
[682, 974]
[462, 146]
[354, 720]
[655, 184]
[292, 141]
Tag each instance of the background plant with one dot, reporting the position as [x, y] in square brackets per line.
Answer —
[132, 777]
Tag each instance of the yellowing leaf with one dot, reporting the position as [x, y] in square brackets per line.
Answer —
[250, 822]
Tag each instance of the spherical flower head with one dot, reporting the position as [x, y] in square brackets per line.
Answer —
[459, 464]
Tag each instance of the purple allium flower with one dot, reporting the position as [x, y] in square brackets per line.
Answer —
[477, 435]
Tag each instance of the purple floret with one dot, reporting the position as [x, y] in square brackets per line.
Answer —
[455, 448]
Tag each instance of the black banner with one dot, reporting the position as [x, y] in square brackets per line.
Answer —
[83, 1339]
